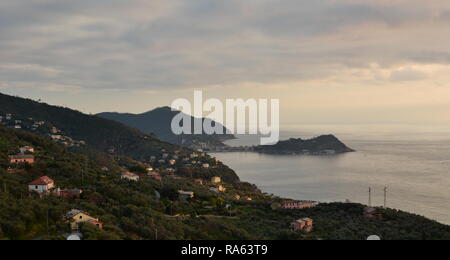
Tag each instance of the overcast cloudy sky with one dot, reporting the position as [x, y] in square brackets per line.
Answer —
[329, 61]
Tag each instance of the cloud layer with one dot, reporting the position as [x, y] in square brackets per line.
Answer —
[141, 45]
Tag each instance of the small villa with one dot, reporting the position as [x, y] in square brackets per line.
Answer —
[43, 185]
[198, 181]
[26, 149]
[221, 188]
[293, 204]
[185, 195]
[216, 180]
[70, 193]
[129, 176]
[304, 224]
[75, 217]
[156, 176]
[21, 158]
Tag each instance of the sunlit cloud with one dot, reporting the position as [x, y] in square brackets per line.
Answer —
[312, 51]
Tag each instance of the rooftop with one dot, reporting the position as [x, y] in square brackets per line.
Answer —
[44, 180]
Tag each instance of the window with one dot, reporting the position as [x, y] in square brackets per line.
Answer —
[81, 217]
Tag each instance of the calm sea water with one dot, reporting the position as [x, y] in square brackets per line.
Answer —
[416, 172]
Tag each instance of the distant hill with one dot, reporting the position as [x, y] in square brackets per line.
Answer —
[158, 122]
[98, 132]
[325, 144]
[102, 134]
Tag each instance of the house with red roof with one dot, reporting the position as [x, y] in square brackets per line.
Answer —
[42, 185]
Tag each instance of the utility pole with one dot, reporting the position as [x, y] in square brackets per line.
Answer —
[385, 197]
[370, 196]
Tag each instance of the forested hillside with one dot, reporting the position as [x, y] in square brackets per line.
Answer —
[151, 209]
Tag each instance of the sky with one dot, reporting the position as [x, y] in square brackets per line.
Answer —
[355, 62]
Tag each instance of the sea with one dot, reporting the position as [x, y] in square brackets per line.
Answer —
[414, 167]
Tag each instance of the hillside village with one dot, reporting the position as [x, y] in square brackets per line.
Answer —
[39, 127]
[187, 198]
[44, 186]
[124, 184]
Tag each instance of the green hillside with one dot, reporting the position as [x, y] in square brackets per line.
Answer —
[101, 134]
[133, 210]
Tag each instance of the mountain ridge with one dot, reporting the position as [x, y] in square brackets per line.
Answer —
[158, 122]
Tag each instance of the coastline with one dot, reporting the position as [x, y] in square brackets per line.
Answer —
[336, 178]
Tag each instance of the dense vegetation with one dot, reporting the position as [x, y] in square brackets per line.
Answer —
[151, 208]
[100, 133]
[158, 122]
[133, 210]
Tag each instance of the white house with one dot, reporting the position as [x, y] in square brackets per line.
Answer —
[205, 165]
[130, 176]
[185, 195]
[26, 149]
[42, 185]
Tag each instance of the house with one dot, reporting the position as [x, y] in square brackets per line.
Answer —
[105, 169]
[214, 189]
[237, 197]
[221, 188]
[198, 181]
[165, 156]
[216, 180]
[75, 217]
[130, 176]
[70, 193]
[42, 185]
[156, 176]
[26, 149]
[54, 130]
[172, 162]
[56, 137]
[185, 195]
[21, 158]
[293, 204]
[205, 165]
[304, 224]
[150, 169]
